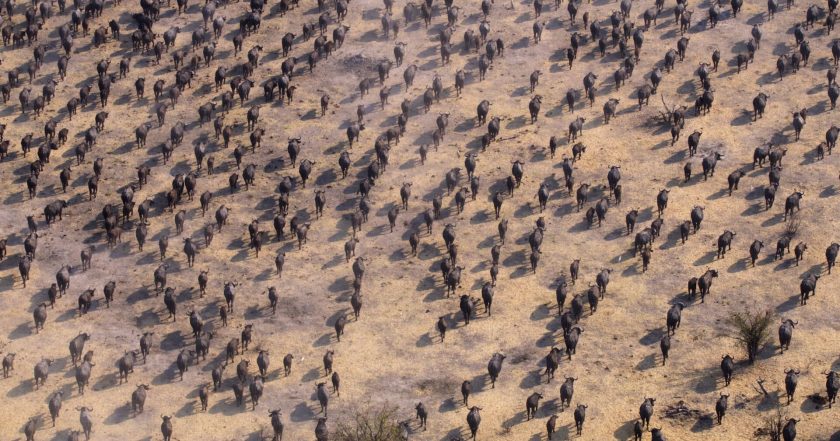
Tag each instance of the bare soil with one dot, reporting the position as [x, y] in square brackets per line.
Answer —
[393, 352]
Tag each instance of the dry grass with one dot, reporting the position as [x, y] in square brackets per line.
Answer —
[393, 353]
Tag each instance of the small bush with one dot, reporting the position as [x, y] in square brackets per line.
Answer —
[752, 329]
[792, 224]
[370, 424]
[773, 425]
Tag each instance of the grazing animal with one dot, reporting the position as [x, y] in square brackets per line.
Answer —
[580, 417]
[474, 420]
[494, 367]
[791, 380]
[727, 366]
[646, 411]
[832, 386]
[721, 406]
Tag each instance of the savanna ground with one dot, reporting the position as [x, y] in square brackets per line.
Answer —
[393, 354]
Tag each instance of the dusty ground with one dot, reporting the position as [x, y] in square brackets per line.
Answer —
[393, 353]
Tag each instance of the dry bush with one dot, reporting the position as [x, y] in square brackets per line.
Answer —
[752, 329]
[792, 225]
[370, 424]
[773, 425]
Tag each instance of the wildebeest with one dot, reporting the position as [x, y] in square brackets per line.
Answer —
[494, 367]
[86, 420]
[799, 119]
[609, 109]
[808, 287]
[733, 179]
[832, 386]
[255, 387]
[8, 364]
[662, 201]
[755, 249]
[727, 367]
[550, 426]
[770, 195]
[276, 424]
[789, 430]
[77, 346]
[182, 362]
[126, 365]
[474, 420]
[41, 372]
[830, 255]
[576, 128]
[759, 103]
[646, 411]
[602, 280]
[665, 347]
[674, 317]
[323, 396]
[83, 372]
[166, 428]
[709, 163]
[54, 405]
[599, 211]
[552, 362]
[53, 210]
[146, 344]
[705, 283]
[697, 217]
[196, 323]
[799, 251]
[39, 315]
[721, 406]
[791, 380]
[580, 417]
[571, 339]
[694, 142]
[328, 362]
[138, 398]
[792, 203]
[567, 391]
[781, 245]
[724, 243]
[421, 414]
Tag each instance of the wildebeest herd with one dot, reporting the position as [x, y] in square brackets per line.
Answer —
[420, 248]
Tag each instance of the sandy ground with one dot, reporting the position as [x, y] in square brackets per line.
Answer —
[393, 354]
